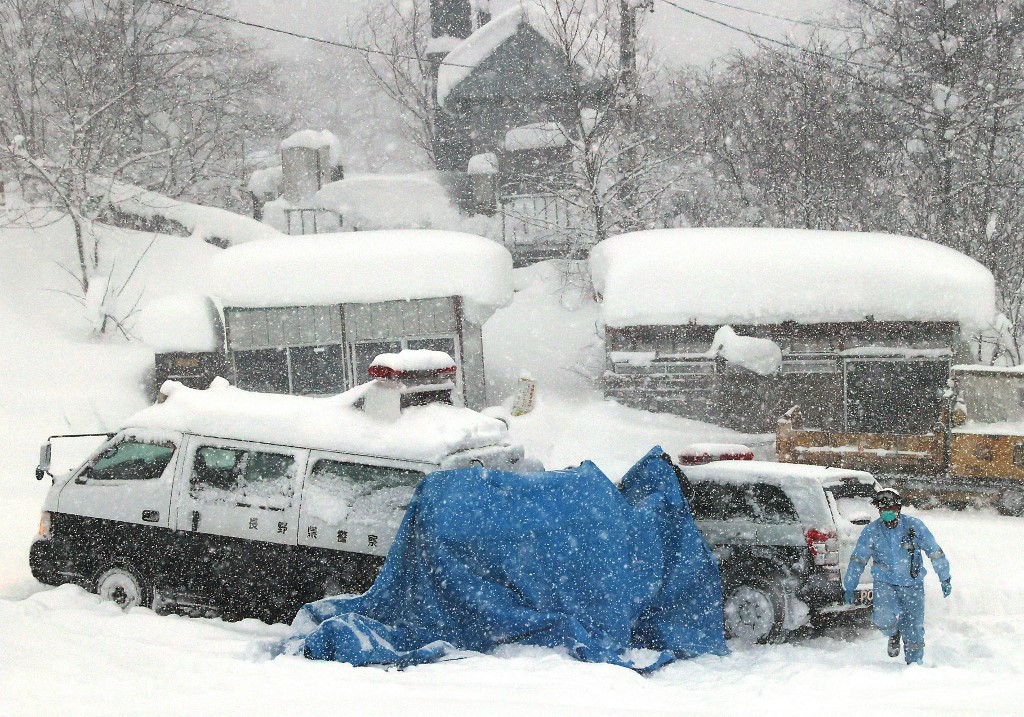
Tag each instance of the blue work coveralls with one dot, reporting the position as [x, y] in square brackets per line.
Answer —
[898, 573]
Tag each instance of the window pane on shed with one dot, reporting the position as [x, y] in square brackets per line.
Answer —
[276, 320]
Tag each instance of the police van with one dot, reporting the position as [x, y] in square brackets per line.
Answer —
[227, 502]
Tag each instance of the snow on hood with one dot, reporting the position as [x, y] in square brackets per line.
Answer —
[381, 201]
[424, 434]
[365, 267]
[766, 276]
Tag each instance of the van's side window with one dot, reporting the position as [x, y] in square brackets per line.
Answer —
[243, 476]
[131, 460]
[335, 489]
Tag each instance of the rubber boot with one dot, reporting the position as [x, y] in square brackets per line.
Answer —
[893, 648]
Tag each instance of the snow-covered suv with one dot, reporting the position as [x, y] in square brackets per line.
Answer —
[783, 535]
[239, 503]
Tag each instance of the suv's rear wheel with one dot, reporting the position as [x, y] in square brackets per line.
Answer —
[125, 586]
[755, 610]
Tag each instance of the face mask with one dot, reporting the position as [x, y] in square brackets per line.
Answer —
[889, 515]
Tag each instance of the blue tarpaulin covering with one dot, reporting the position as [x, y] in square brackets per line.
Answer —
[558, 558]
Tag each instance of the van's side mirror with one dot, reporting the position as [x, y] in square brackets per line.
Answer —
[43, 469]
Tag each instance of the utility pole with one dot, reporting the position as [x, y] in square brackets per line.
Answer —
[629, 91]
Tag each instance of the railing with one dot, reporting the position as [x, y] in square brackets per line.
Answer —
[538, 226]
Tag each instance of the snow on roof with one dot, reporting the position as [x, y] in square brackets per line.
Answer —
[467, 55]
[315, 139]
[382, 201]
[442, 45]
[486, 163]
[540, 135]
[421, 433]
[365, 267]
[762, 276]
[204, 223]
[776, 473]
[182, 322]
[982, 369]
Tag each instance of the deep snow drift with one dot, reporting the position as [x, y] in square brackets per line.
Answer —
[62, 651]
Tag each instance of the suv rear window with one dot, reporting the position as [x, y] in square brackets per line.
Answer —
[752, 502]
[853, 499]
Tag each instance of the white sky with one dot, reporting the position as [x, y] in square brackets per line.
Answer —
[679, 37]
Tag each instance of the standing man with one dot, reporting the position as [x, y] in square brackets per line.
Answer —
[894, 544]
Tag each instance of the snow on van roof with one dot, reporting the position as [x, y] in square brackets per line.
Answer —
[762, 276]
[776, 473]
[365, 267]
[424, 434]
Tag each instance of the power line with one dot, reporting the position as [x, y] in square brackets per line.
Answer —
[761, 13]
[787, 45]
[289, 33]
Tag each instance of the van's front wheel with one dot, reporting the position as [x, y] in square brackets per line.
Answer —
[124, 586]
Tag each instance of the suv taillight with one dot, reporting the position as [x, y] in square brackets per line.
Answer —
[824, 546]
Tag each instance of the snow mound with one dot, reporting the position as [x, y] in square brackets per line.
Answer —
[485, 163]
[381, 201]
[266, 181]
[762, 356]
[209, 224]
[766, 276]
[365, 267]
[183, 322]
[421, 433]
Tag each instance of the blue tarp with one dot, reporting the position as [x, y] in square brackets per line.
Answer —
[557, 558]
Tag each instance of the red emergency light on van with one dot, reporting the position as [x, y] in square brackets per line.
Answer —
[698, 454]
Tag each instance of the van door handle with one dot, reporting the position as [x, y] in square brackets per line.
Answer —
[195, 520]
[151, 516]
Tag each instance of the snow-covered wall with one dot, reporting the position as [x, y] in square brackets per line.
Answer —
[767, 276]
[365, 267]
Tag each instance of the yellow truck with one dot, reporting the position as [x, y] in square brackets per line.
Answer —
[974, 454]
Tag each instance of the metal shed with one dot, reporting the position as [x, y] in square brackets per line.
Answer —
[864, 325]
[307, 315]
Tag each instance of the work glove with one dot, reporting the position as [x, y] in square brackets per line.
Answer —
[848, 596]
[947, 588]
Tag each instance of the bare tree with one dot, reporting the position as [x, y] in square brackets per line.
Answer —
[137, 91]
[617, 174]
[396, 35]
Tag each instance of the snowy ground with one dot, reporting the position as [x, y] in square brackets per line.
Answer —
[62, 651]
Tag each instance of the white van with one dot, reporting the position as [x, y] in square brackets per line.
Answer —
[222, 501]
